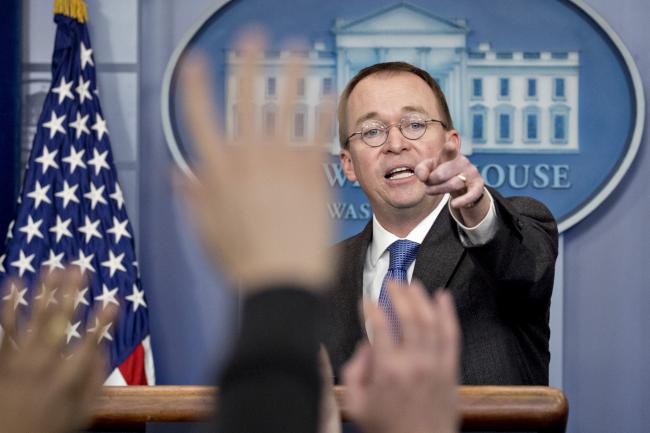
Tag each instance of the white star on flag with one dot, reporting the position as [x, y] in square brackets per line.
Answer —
[61, 228]
[84, 262]
[71, 331]
[63, 90]
[107, 297]
[79, 125]
[54, 262]
[68, 194]
[75, 159]
[137, 298]
[118, 196]
[2, 261]
[80, 298]
[55, 124]
[32, 228]
[10, 229]
[86, 57]
[47, 159]
[99, 126]
[18, 298]
[39, 194]
[119, 229]
[114, 263]
[95, 195]
[24, 263]
[99, 161]
[90, 229]
[82, 90]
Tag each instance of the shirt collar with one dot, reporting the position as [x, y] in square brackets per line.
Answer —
[382, 238]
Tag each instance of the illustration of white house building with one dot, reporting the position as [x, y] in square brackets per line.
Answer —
[500, 101]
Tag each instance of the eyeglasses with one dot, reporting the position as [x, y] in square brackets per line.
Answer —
[375, 133]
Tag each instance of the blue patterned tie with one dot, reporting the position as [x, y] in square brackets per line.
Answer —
[402, 253]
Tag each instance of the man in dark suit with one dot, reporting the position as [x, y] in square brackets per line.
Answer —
[496, 255]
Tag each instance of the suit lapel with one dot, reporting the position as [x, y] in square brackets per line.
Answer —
[439, 253]
[351, 278]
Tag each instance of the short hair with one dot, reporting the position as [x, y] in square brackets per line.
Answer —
[388, 68]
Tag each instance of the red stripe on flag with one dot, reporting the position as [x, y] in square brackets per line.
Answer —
[132, 368]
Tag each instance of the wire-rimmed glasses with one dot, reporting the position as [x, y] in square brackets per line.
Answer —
[375, 133]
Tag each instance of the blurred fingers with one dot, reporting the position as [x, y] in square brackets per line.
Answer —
[382, 336]
[199, 110]
[423, 316]
[356, 377]
[251, 47]
[326, 123]
[293, 81]
[450, 335]
[402, 304]
[9, 315]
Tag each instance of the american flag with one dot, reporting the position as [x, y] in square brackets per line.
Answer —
[71, 211]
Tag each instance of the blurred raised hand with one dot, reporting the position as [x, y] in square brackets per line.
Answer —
[43, 389]
[407, 384]
[258, 200]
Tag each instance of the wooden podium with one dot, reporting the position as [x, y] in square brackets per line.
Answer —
[494, 408]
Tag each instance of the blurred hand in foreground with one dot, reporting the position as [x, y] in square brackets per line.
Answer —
[410, 384]
[41, 389]
[258, 200]
[330, 415]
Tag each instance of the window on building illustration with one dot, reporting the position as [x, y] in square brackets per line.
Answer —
[559, 92]
[559, 124]
[328, 86]
[504, 87]
[531, 127]
[532, 88]
[559, 128]
[531, 55]
[478, 117]
[269, 119]
[271, 86]
[504, 126]
[531, 124]
[478, 120]
[301, 87]
[299, 124]
[477, 88]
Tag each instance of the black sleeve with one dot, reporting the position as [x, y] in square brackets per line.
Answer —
[272, 383]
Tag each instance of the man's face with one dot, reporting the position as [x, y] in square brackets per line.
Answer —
[379, 170]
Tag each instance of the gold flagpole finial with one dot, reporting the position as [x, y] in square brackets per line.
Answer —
[76, 9]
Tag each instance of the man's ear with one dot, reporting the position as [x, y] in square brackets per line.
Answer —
[348, 165]
[453, 139]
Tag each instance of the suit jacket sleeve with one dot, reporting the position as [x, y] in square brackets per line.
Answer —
[522, 255]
